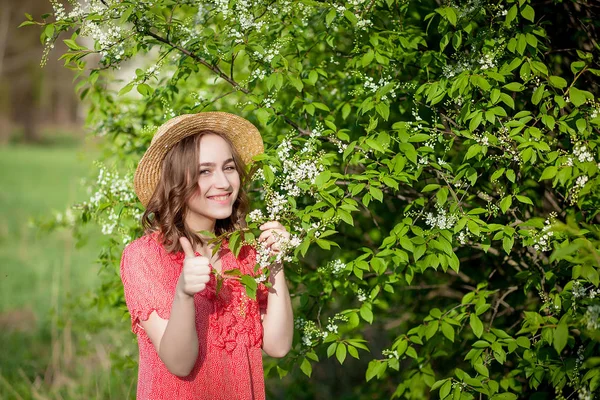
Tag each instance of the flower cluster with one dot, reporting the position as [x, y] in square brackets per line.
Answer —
[574, 191]
[258, 74]
[339, 144]
[390, 354]
[482, 140]
[332, 327]
[372, 86]
[310, 331]
[277, 205]
[592, 317]
[68, 219]
[361, 295]
[112, 190]
[548, 305]
[270, 53]
[256, 216]
[463, 237]
[542, 238]
[334, 267]
[450, 71]
[296, 169]
[487, 61]
[441, 220]
[581, 152]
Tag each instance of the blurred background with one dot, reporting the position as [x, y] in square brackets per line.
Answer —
[51, 347]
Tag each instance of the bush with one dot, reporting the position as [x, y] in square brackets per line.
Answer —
[438, 165]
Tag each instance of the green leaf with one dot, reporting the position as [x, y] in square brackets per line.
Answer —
[366, 313]
[504, 396]
[346, 110]
[523, 342]
[269, 175]
[448, 331]
[528, 13]
[511, 14]
[376, 193]
[340, 353]
[350, 17]
[445, 389]
[549, 172]
[561, 336]
[250, 285]
[476, 325]
[313, 76]
[306, 367]
[505, 203]
[144, 89]
[557, 82]
[510, 174]
[430, 187]
[297, 83]
[330, 16]
[367, 58]
[524, 199]
[474, 149]
[514, 87]
[383, 109]
[576, 96]
[538, 94]
[235, 243]
[507, 243]
[482, 369]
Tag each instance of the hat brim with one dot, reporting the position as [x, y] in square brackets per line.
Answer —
[242, 134]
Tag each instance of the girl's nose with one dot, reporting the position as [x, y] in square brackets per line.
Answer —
[221, 180]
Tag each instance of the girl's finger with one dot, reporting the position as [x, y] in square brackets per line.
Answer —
[270, 241]
[264, 235]
[271, 225]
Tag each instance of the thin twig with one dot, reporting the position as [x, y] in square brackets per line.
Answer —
[501, 300]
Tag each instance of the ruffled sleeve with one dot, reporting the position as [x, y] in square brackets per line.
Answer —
[145, 281]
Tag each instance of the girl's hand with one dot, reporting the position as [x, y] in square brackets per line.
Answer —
[195, 273]
[273, 233]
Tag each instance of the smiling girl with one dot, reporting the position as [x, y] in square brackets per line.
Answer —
[197, 342]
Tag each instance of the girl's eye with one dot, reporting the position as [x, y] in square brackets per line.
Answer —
[230, 168]
[204, 171]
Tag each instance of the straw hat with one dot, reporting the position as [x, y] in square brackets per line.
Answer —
[244, 136]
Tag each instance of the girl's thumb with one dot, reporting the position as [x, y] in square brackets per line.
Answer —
[187, 247]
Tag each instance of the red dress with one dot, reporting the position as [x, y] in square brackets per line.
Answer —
[229, 364]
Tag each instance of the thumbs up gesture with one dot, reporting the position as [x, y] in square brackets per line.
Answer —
[195, 273]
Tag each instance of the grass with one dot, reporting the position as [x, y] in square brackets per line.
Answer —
[56, 345]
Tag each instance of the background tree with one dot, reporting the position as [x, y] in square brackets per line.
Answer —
[436, 163]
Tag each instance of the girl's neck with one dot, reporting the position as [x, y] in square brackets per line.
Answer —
[203, 225]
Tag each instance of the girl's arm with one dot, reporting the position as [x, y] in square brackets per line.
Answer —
[176, 339]
[278, 321]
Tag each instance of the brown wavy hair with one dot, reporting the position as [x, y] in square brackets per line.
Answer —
[178, 182]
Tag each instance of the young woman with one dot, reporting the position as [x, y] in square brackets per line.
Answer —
[197, 339]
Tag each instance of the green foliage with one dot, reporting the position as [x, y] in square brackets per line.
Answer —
[440, 158]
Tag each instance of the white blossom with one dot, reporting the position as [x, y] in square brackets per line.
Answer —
[361, 295]
[256, 215]
[592, 316]
[441, 220]
[581, 152]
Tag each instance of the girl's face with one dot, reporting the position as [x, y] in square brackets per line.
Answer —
[218, 184]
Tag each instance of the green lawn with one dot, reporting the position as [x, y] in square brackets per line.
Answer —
[54, 343]
[39, 269]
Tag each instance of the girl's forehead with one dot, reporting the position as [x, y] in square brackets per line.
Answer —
[213, 148]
